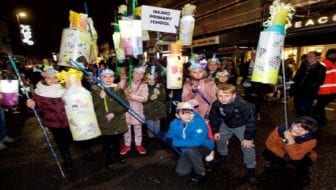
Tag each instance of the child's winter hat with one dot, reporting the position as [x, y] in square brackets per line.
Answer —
[141, 68]
[184, 106]
[106, 71]
[214, 59]
[308, 123]
[49, 71]
[195, 65]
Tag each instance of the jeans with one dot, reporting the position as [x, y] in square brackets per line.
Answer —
[222, 144]
[154, 123]
[192, 160]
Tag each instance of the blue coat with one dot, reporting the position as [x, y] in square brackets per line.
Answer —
[196, 133]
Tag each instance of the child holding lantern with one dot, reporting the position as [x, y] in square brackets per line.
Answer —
[111, 117]
[48, 102]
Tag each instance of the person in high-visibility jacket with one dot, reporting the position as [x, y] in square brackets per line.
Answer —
[327, 91]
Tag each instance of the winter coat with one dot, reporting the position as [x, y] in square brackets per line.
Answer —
[236, 114]
[308, 80]
[207, 87]
[156, 109]
[50, 107]
[138, 95]
[329, 84]
[196, 133]
[295, 151]
[118, 124]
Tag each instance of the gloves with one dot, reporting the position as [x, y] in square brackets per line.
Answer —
[168, 141]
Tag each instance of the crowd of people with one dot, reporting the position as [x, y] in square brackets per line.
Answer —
[208, 113]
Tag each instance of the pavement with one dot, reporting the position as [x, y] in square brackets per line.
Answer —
[28, 164]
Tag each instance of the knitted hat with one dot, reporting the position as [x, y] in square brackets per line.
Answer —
[184, 106]
[48, 71]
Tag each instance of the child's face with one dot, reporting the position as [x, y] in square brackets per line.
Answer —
[223, 78]
[297, 130]
[186, 115]
[197, 73]
[138, 75]
[107, 79]
[225, 97]
[50, 80]
[212, 66]
[151, 81]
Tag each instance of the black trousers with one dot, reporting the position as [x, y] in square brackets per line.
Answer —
[63, 139]
[319, 109]
[111, 146]
[301, 166]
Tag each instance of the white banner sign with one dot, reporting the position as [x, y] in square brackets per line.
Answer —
[160, 19]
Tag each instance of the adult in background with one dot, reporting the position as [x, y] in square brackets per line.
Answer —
[327, 91]
[307, 81]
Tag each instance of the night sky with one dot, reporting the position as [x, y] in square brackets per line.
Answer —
[49, 17]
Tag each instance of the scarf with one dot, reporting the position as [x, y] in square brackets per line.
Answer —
[49, 91]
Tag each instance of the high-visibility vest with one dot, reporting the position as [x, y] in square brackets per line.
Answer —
[329, 84]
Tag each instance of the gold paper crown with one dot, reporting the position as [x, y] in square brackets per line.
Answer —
[70, 76]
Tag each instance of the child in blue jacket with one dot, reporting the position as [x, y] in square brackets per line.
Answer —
[189, 133]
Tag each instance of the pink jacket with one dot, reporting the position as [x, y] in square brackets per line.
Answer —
[138, 94]
[207, 87]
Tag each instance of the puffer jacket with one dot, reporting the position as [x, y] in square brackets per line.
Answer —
[196, 133]
[107, 105]
[207, 87]
[235, 114]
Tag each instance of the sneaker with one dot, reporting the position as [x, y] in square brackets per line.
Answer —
[210, 156]
[124, 150]
[9, 139]
[197, 180]
[2, 146]
[141, 149]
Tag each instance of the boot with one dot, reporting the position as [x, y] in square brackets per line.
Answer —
[197, 180]
[251, 176]
[67, 160]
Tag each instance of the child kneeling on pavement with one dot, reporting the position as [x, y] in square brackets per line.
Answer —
[188, 132]
[293, 145]
[230, 115]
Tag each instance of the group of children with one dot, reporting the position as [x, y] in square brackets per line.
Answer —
[210, 113]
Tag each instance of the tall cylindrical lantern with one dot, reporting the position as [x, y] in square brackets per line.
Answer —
[75, 43]
[175, 67]
[10, 92]
[187, 24]
[120, 53]
[271, 41]
[79, 107]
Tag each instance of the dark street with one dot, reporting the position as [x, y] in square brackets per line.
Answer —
[27, 164]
